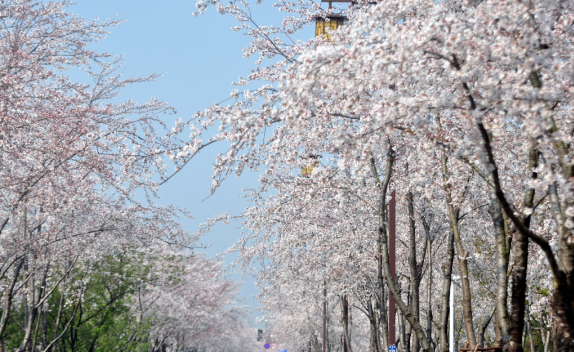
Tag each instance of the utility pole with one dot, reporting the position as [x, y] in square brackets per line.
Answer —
[429, 286]
[325, 316]
[346, 318]
[392, 260]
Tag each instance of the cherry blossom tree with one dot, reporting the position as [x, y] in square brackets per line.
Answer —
[462, 108]
[72, 157]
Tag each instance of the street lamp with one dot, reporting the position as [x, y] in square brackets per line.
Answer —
[333, 23]
[307, 170]
[309, 165]
[451, 333]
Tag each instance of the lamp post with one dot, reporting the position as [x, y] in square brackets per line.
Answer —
[346, 319]
[335, 21]
[392, 260]
[310, 163]
[307, 171]
[321, 25]
[451, 332]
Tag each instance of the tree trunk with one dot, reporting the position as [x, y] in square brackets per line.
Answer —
[8, 295]
[350, 340]
[374, 329]
[466, 295]
[445, 306]
[562, 298]
[345, 321]
[35, 335]
[58, 320]
[501, 270]
[530, 337]
[378, 320]
[402, 335]
[373, 347]
[462, 258]
[383, 319]
[498, 340]
[29, 305]
[547, 341]
[562, 265]
[68, 324]
[518, 292]
[383, 234]
[414, 269]
[44, 328]
[381, 302]
[562, 308]
[408, 331]
[426, 226]
[484, 327]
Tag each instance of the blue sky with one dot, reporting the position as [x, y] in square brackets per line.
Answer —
[200, 57]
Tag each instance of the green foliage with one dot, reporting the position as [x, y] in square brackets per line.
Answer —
[537, 338]
[544, 292]
[107, 317]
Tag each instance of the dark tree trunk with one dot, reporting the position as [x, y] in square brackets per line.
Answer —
[8, 295]
[429, 280]
[501, 269]
[345, 321]
[518, 292]
[414, 268]
[484, 327]
[562, 264]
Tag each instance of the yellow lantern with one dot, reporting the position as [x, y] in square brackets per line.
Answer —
[332, 22]
[306, 171]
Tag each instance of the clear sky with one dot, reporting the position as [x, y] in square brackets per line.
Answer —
[200, 57]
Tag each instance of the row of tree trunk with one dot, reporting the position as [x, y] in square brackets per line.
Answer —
[508, 312]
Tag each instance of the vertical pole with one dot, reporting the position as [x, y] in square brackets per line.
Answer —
[346, 317]
[429, 288]
[451, 330]
[325, 316]
[392, 225]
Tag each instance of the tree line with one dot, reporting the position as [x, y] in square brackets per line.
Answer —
[463, 110]
[85, 263]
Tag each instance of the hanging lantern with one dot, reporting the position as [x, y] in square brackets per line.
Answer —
[333, 22]
[307, 170]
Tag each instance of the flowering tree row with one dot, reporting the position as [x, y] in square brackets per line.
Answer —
[463, 109]
[133, 300]
[84, 265]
